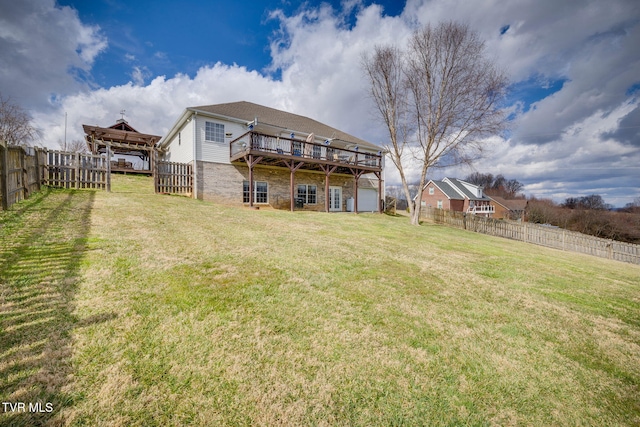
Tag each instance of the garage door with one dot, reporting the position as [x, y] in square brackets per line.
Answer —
[367, 200]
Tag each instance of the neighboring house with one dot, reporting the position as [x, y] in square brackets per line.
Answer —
[456, 195]
[249, 154]
[508, 208]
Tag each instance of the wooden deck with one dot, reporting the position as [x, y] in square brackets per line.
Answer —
[278, 151]
[254, 148]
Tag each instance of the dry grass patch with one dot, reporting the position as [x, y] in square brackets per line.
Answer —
[211, 315]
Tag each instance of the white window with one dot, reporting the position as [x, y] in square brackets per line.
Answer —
[213, 132]
[308, 193]
[439, 204]
[260, 192]
[431, 191]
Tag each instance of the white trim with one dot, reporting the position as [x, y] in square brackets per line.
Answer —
[306, 202]
[331, 208]
[195, 159]
[455, 188]
[215, 124]
[255, 193]
[165, 140]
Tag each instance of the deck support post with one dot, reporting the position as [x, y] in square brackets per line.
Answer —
[357, 173]
[328, 170]
[293, 167]
[379, 176]
[251, 162]
[355, 196]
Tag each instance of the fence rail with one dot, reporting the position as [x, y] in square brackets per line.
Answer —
[551, 237]
[77, 170]
[19, 173]
[173, 178]
[23, 170]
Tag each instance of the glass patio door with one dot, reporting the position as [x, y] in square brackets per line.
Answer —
[335, 199]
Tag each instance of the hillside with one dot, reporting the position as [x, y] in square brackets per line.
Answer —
[130, 308]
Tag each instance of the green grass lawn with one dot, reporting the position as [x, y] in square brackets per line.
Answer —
[130, 308]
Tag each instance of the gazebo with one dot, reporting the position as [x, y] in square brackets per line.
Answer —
[122, 139]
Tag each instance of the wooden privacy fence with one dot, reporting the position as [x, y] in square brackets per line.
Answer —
[19, 173]
[551, 237]
[173, 178]
[24, 170]
[77, 170]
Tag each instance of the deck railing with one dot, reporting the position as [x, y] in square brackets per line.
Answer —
[280, 146]
[481, 209]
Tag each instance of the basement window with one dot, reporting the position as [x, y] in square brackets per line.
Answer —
[308, 193]
[260, 192]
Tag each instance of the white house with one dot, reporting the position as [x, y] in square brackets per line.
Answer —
[245, 153]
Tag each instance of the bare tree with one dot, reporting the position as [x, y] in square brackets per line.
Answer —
[484, 180]
[15, 124]
[386, 73]
[496, 185]
[512, 187]
[75, 146]
[439, 99]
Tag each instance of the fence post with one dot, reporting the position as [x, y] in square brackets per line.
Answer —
[46, 168]
[37, 164]
[156, 182]
[76, 157]
[4, 175]
[109, 166]
[25, 175]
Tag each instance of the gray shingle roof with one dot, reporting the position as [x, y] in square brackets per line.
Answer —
[247, 111]
[454, 189]
[465, 191]
[449, 191]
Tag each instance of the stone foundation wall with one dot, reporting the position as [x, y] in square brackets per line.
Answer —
[222, 183]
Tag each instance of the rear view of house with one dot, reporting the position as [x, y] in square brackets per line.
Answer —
[457, 195]
[249, 154]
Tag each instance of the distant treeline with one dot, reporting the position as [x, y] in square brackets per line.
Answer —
[589, 215]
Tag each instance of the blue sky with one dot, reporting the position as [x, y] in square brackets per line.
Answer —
[169, 37]
[574, 68]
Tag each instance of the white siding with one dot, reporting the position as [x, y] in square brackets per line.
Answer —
[181, 145]
[216, 152]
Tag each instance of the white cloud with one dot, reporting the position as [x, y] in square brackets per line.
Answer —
[46, 51]
[566, 144]
[139, 75]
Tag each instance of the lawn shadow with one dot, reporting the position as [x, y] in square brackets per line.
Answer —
[42, 243]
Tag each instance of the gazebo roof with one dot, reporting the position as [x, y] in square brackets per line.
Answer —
[121, 133]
